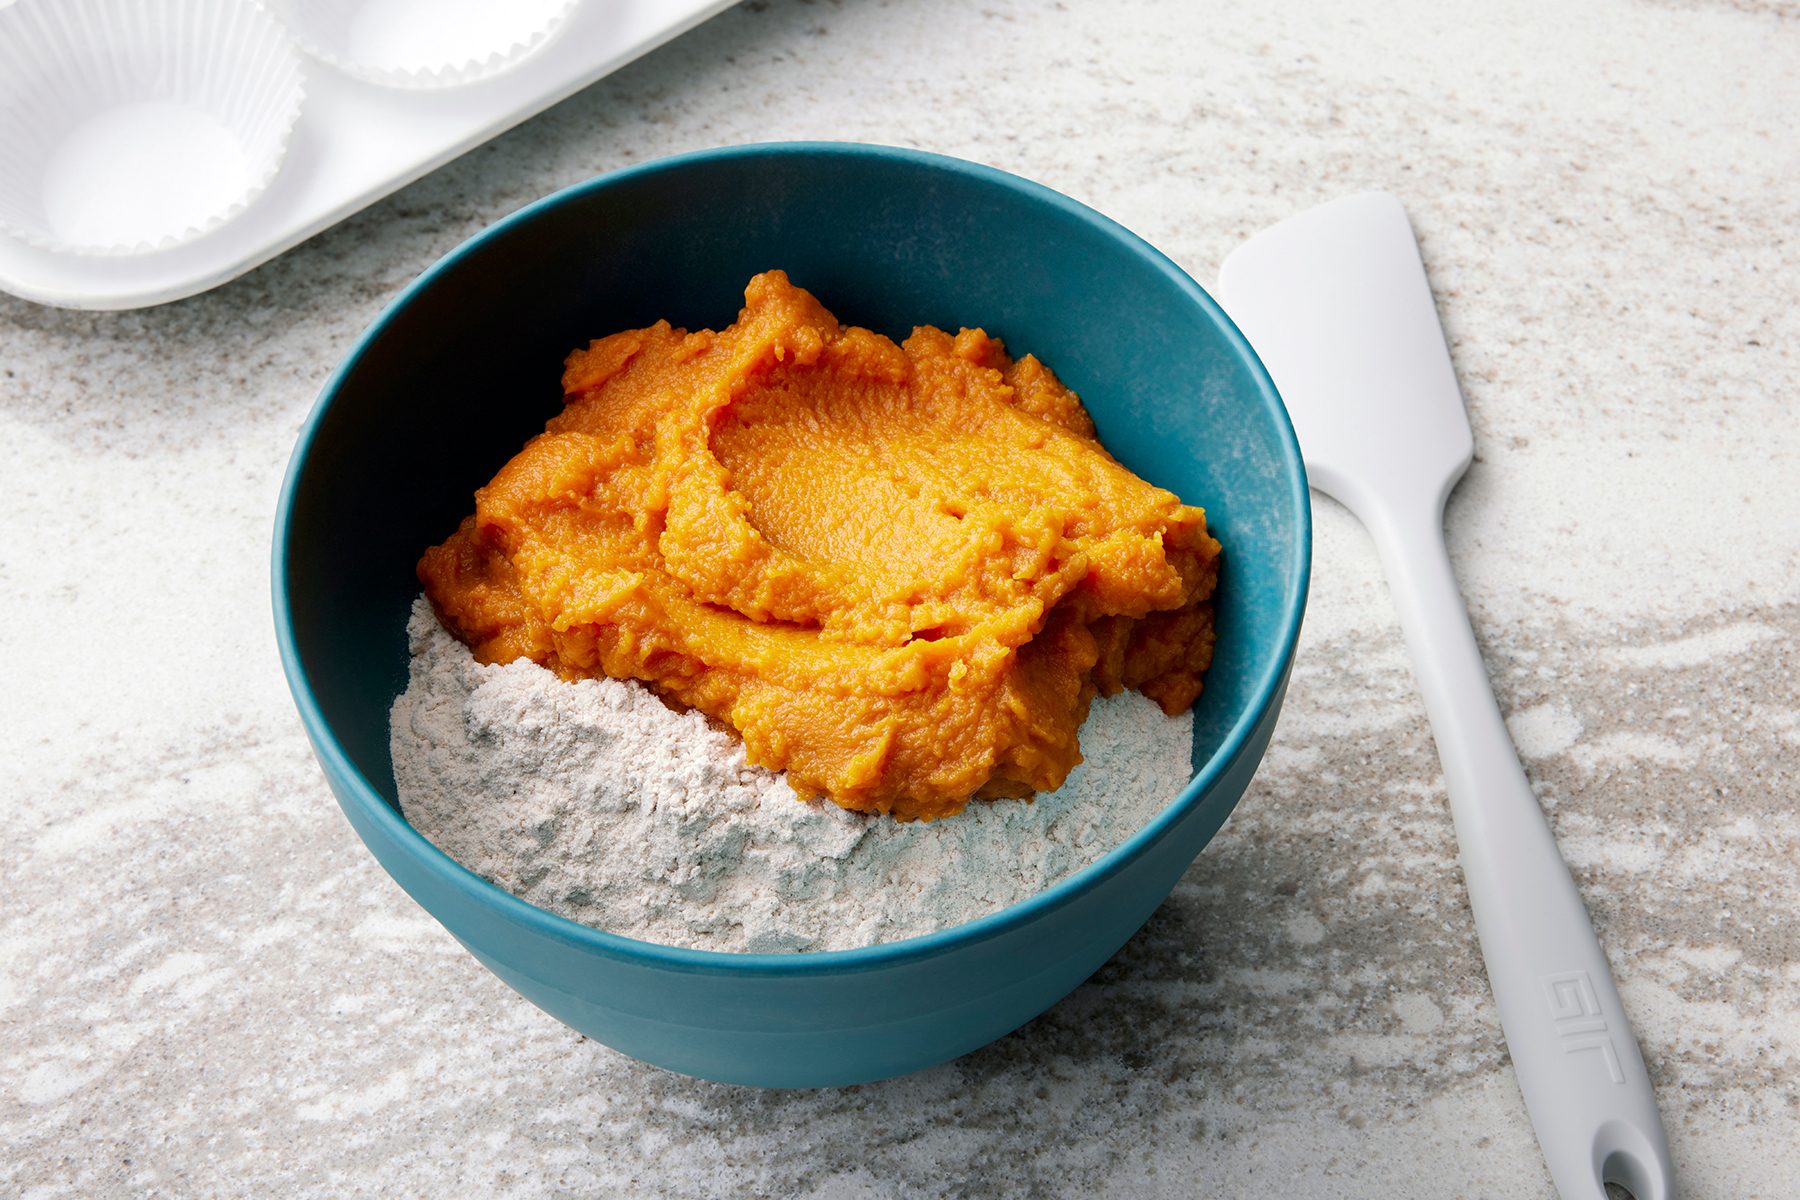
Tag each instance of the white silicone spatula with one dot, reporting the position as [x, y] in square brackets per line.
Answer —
[1335, 301]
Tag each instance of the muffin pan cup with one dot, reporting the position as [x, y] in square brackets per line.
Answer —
[131, 126]
[423, 43]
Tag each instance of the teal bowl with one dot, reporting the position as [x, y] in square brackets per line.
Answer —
[464, 367]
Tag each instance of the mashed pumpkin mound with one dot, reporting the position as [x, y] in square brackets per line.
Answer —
[900, 572]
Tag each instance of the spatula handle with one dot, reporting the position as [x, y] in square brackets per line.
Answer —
[1577, 1063]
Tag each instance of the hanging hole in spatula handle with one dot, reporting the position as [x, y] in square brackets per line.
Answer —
[1625, 1157]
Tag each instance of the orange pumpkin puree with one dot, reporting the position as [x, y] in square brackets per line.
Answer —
[900, 572]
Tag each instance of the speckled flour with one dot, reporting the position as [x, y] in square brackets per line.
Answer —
[595, 801]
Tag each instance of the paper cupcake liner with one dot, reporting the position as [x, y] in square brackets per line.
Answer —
[129, 126]
[423, 43]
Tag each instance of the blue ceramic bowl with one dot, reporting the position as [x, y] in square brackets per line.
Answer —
[464, 367]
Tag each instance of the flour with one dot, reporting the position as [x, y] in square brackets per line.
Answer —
[596, 801]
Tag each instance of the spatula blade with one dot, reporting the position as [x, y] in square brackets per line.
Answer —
[1336, 303]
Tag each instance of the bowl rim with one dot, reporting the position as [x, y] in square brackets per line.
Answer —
[447, 871]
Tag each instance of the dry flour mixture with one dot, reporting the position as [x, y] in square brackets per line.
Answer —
[595, 801]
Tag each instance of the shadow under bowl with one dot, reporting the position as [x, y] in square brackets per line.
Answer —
[465, 365]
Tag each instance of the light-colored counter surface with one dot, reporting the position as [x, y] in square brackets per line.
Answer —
[207, 986]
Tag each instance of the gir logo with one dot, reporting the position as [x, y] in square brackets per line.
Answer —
[1579, 1025]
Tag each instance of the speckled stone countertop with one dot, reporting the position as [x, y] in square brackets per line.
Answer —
[208, 987]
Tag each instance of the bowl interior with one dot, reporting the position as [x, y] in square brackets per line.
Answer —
[465, 367]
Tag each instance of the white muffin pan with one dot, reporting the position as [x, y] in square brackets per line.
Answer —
[342, 107]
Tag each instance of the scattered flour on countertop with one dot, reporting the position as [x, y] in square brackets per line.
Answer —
[596, 801]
